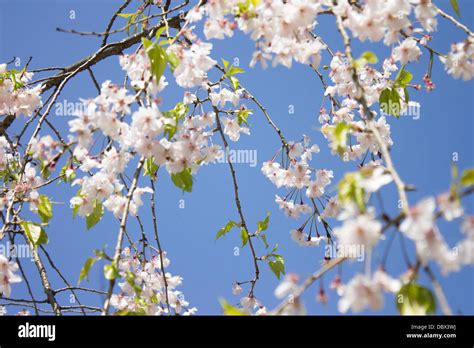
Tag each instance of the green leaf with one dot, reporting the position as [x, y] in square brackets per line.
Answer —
[384, 100]
[130, 279]
[263, 225]
[234, 70]
[455, 6]
[178, 113]
[366, 58]
[170, 130]
[75, 209]
[243, 115]
[16, 83]
[93, 218]
[235, 82]
[35, 233]
[350, 190]
[111, 272]
[414, 299]
[158, 58]
[45, 209]
[154, 299]
[140, 312]
[150, 168]
[264, 240]
[172, 60]
[183, 180]
[338, 134]
[224, 230]
[370, 57]
[406, 95]
[228, 309]
[126, 15]
[131, 18]
[160, 31]
[467, 177]
[225, 63]
[454, 171]
[85, 270]
[101, 254]
[244, 236]
[389, 101]
[277, 265]
[403, 78]
[70, 176]
[45, 169]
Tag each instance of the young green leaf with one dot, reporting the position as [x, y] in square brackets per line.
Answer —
[228, 309]
[264, 240]
[45, 209]
[93, 218]
[403, 78]
[160, 31]
[455, 6]
[414, 299]
[172, 60]
[338, 134]
[351, 191]
[277, 265]
[126, 15]
[225, 63]
[150, 168]
[35, 233]
[467, 177]
[234, 70]
[244, 236]
[389, 101]
[183, 180]
[157, 56]
[224, 230]
[85, 270]
[242, 116]
[366, 58]
[263, 225]
[130, 279]
[235, 82]
[111, 272]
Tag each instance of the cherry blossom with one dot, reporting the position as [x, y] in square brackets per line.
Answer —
[7, 275]
[407, 51]
[361, 230]
[460, 60]
[364, 292]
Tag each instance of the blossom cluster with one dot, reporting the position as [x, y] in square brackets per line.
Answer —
[298, 176]
[385, 19]
[22, 187]
[364, 291]
[146, 289]
[420, 226]
[281, 29]
[172, 139]
[15, 97]
[460, 60]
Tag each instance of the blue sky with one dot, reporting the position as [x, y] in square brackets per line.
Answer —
[422, 153]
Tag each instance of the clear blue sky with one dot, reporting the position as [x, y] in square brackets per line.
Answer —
[422, 153]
